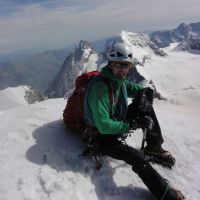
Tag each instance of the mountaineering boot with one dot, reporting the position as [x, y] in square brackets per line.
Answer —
[173, 194]
[157, 154]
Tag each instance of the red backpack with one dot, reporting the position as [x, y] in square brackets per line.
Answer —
[73, 114]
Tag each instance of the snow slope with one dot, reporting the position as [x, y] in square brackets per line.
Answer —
[12, 97]
[39, 157]
[177, 77]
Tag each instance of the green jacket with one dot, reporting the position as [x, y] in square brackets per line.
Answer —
[98, 109]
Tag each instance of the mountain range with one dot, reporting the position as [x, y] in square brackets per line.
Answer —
[53, 72]
[85, 58]
[182, 33]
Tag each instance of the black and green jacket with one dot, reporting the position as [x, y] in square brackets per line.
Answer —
[107, 117]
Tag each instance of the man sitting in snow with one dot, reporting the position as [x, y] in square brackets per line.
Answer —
[111, 121]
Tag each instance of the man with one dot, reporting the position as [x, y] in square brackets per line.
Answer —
[108, 116]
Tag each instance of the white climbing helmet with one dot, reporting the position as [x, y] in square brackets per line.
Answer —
[120, 52]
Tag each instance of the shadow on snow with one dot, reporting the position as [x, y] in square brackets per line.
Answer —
[59, 148]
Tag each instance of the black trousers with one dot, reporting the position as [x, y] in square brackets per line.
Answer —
[120, 151]
[110, 145]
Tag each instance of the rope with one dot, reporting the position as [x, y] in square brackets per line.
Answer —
[166, 190]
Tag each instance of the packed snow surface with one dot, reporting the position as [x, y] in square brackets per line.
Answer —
[12, 97]
[40, 158]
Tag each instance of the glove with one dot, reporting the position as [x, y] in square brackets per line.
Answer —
[146, 99]
[149, 92]
[132, 124]
[145, 122]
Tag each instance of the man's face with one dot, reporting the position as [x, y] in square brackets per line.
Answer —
[120, 69]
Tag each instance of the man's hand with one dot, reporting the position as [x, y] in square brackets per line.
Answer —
[146, 99]
[132, 124]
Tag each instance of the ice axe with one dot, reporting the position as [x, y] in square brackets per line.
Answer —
[144, 138]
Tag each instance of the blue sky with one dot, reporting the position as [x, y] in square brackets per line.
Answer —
[58, 23]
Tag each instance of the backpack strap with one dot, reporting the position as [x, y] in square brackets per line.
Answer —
[110, 93]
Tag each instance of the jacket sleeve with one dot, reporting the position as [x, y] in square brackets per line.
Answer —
[100, 107]
[132, 88]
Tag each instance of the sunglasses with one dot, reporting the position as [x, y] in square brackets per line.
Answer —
[121, 65]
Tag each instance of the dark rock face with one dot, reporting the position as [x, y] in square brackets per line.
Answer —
[32, 96]
[73, 65]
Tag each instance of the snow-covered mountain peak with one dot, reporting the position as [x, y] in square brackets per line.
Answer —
[85, 49]
[130, 39]
[83, 44]
[183, 27]
[83, 59]
[141, 44]
[135, 39]
[82, 51]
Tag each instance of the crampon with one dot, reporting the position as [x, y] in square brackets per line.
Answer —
[159, 156]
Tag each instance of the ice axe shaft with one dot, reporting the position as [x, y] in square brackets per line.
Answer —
[144, 138]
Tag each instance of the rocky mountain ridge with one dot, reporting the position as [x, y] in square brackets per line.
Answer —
[54, 72]
[182, 33]
[82, 59]
[191, 44]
